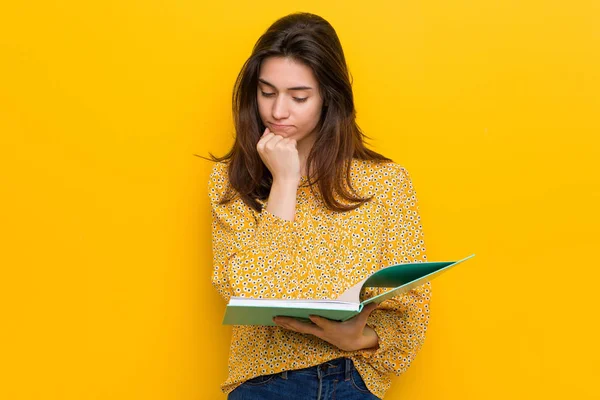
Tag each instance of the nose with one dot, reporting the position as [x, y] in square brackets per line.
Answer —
[280, 109]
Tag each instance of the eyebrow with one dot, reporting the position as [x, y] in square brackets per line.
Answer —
[292, 88]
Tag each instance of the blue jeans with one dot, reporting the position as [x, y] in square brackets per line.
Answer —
[334, 379]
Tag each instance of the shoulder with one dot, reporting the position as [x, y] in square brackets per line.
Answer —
[380, 178]
[219, 170]
[218, 181]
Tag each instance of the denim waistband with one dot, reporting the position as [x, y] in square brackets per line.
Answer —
[332, 367]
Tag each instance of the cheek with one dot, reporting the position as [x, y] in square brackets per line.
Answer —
[262, 108]
[312, 115]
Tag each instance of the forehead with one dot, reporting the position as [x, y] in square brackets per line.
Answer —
[284, 72]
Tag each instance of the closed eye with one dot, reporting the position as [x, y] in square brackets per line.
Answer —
[298, 99]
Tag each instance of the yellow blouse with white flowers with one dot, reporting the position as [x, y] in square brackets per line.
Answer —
[319, 255]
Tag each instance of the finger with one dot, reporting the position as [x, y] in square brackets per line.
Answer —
[287, 326]
[281, 322]
[264, 139]
[301, 327]
[288, 142]
[271, 141]
[265, 136]
[321, 322]
[284, 321]
[370, 308]
[306, 327]
[364, 314]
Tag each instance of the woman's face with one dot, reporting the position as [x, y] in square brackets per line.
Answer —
[288, 96]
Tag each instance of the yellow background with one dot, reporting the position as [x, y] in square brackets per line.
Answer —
[492, 106]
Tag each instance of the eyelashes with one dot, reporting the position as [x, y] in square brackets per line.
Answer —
[297, 99]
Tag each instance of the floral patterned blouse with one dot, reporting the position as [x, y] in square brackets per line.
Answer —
[319, 255]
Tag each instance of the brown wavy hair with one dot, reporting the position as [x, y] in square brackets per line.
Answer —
[311, 40]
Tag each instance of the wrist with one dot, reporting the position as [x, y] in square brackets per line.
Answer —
[282, 199]
[286, 182]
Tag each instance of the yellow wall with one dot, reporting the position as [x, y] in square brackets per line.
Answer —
[491, 106]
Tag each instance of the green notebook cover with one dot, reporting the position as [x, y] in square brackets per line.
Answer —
[399, 278]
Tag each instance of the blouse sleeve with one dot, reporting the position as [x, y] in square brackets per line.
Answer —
[400, 322]
[251, 251]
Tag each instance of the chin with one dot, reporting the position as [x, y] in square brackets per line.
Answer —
[283, 132]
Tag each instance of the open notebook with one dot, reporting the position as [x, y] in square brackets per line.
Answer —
[398, 278]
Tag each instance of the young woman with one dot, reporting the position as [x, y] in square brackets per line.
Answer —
[302, 209]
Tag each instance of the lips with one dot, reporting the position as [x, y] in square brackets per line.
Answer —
[280, 126]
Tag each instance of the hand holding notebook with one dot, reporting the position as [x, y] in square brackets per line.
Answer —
[398, 278]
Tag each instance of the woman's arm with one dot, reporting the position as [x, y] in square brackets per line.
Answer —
[400, 322]
[282, 199]
[388, 335]
[256, 256]
[253, 255]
